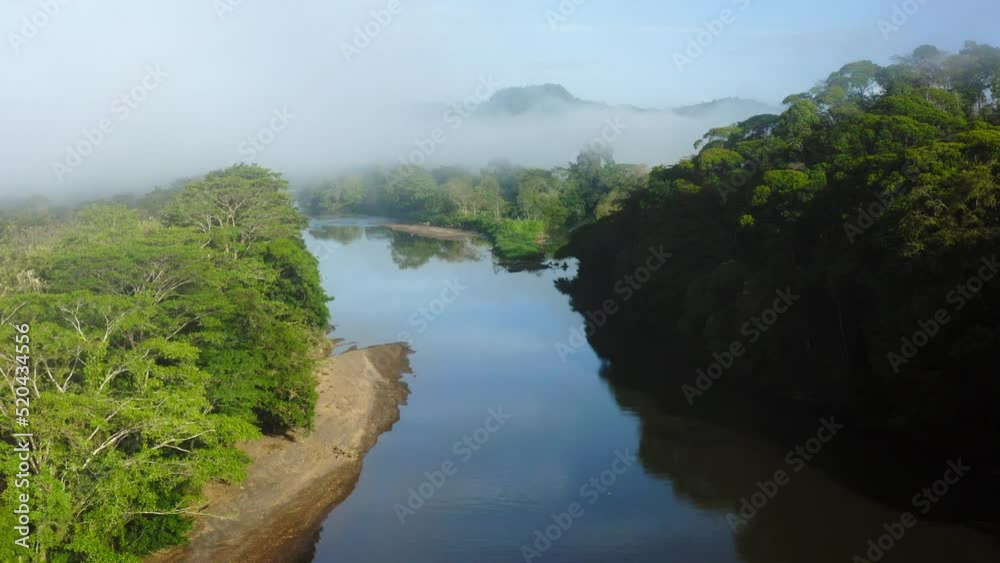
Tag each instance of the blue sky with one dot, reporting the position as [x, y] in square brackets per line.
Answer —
[621, 51]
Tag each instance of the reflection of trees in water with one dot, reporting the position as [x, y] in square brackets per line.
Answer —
[344, 234]
[408, 251]
[309, 555]
[707, 464]
[380, 233]
[412, 251]
[810, 519]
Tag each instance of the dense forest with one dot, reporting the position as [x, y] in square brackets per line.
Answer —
[524, 211]
[874, 199]
[162, 329]
[158, 334]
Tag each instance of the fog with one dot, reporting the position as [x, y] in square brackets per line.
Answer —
[122, 95]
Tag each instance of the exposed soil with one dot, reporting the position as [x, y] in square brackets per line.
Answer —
[295, 481]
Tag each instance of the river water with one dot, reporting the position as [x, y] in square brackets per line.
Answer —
[599, 470]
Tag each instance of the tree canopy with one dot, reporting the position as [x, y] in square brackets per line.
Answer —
[156, 344]
[874, 196]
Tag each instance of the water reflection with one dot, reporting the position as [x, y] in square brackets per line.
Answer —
[344, 234]
[495, 346]
[412, 251]
[408, 251]
[811, 518]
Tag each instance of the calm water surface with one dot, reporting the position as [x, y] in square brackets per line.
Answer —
[494, 347]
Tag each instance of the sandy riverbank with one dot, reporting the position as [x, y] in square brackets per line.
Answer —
[293, 484]
[440, 233]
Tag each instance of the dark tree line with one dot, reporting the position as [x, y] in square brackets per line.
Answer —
[875, 197]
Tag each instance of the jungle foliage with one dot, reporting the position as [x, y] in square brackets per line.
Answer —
[156, 343]
[875, 197]
[519, 209]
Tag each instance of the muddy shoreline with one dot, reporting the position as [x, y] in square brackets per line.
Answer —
[295, 481]
[439, 233]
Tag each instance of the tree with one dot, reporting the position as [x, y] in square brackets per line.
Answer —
[491, 195]
[873, 195]
[236, 208]
[154, 349]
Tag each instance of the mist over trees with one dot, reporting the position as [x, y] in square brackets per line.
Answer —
[522, 209]
[164, 328]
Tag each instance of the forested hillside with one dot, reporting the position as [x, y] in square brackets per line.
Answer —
[874, 198]
[156, 337]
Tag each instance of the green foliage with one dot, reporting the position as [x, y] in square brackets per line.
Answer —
[938, 108]
[519, 209]
[785, 182]
[156, 346]
[236, 208]
[760, 195]
[298, 282]
[916, 146]
[519, 239]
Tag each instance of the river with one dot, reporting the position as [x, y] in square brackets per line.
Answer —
[505, 440]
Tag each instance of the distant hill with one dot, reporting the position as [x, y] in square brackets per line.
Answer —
[544, 99]
[740, 106]
[556, 100]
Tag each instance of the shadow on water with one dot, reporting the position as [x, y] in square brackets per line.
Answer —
[700, 463]
[725, 455]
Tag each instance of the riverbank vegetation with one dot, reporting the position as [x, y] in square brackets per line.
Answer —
[521, 210]
[165, 328]
[160, 334]
[875, 198]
